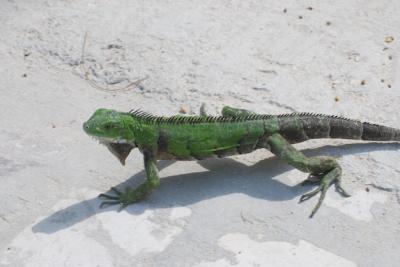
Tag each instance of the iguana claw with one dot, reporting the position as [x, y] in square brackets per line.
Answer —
[121, 198]
[108, 197]
[108, 203]
[332, 177]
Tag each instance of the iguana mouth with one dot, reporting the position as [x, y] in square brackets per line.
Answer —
[119, 148]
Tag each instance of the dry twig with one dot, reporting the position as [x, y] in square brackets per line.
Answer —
[86, 74]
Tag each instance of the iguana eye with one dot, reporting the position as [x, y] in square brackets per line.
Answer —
[108, 126]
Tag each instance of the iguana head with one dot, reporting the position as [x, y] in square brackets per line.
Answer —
[111, 129]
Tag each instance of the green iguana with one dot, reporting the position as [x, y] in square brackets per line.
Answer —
[237, 131]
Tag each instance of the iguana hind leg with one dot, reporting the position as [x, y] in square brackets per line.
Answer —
[235, 112]
[131, 195]
[227, 111]
[325, 167]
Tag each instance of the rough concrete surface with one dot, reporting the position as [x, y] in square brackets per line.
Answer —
[335, 57]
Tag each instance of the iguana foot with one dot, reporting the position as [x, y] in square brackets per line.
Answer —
[331, 177]
[228, 111]
[120, 198]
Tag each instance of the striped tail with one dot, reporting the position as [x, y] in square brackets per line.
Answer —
[374, 132]
[304, 126]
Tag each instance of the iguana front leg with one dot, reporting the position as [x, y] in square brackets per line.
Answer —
[131, 195]
[327, 168]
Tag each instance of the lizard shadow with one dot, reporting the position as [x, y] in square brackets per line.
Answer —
[222, 177]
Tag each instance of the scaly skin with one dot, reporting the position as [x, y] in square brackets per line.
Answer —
[237, 131]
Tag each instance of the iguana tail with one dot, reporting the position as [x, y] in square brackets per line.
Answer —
[304, 126]
[374, 132]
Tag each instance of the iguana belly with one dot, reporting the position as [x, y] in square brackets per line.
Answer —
[203, 154]
[207, 141]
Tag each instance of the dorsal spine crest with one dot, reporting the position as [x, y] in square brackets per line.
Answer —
[150, 118]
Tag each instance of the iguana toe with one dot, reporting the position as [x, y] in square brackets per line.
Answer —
[108, 203]
[331, 177]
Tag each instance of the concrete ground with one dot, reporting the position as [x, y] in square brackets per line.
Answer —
[335, 57]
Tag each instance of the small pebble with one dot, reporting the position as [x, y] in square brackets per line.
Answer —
[310, 8]
[389, 86]
[367, 189]
[284, 10]
[24, 75]
[328, 23]
[382, 80]
[300, 17]
[114, 46]
[363, 82]
[389, 39]
[337, 98]
[183, 110]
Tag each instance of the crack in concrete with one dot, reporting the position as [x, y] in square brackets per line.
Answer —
[3, 217]
[383, 188]
[396, 191]
[277, 104]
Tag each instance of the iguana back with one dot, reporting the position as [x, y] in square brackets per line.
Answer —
[199, 137]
